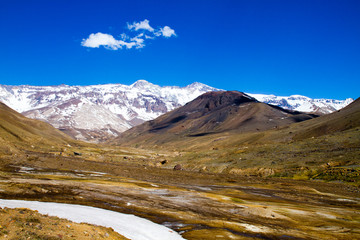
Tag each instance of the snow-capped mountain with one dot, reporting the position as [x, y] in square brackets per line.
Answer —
[97, 112]
[304, 104]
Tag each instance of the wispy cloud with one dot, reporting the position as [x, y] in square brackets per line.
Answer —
[143, 31]
[167, 31]
[143, 25]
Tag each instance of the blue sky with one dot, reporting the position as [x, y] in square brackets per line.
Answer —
[277, 47]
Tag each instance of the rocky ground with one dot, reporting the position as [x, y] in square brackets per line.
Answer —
[197, 205]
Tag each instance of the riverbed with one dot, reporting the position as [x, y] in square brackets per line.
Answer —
[195, 205]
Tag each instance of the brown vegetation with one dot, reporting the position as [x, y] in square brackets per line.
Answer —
[23, 224]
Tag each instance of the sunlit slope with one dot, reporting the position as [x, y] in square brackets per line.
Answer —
[20, 133]
[211, 114]
[325, 147]
[344, 119]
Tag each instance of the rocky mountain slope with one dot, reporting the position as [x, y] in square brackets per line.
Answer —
[98, 112]
[212, 113]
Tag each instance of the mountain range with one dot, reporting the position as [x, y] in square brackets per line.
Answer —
[99, 112]
[219, 131]
[303, 103]
[224, 112]
[236, 118]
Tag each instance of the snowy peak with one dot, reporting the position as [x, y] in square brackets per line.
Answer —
[98, 111]
[141, 84]
[303, 103]
[102, 111]
[201, 87]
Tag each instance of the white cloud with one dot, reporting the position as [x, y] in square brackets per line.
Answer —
[149, 37]
[167, 31]
[140, 25]
[95, 40]
[138, 40]
[128, 40]
[124, 36]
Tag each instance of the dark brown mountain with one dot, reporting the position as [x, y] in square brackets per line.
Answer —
[210, 113]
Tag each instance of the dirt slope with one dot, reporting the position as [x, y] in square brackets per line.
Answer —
[19, 133]
[344, 119]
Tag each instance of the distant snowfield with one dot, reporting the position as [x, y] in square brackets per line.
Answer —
[128, 225]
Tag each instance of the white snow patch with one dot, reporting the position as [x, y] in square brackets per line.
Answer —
[128, 225]
[254, 228]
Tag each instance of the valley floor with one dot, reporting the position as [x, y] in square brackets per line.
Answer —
[130, 226]
[196, 205]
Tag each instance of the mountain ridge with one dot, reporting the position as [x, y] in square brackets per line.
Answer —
[212, 113]
[99, 112]
[109, 108]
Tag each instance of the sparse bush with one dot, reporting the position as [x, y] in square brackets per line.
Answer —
[32, 219]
